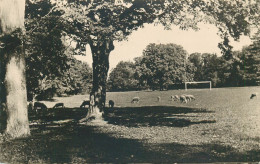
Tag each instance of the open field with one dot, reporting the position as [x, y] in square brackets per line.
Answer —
[220, 125]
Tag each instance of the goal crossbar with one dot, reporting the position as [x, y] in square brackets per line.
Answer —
[196, 82]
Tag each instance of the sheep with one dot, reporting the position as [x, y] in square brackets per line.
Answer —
[39, 105]
[190, 97]
[253, 95]
[84, 103]
[183, 98]
[159, 98]
[111, 103]
[187, 98]
[175, 98]
[135, 100]
[59, 105]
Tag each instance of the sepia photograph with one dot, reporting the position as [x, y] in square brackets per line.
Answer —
[129, 81]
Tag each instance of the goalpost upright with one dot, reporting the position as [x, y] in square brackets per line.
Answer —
[196, 82]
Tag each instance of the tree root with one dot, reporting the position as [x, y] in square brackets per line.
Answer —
[93, 119]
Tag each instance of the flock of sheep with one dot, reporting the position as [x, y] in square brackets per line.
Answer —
[182, 98]
[85, 104]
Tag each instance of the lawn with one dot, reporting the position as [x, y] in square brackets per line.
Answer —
[220, 125]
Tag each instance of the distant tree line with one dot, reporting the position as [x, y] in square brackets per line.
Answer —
[160, 67]
[168, 66]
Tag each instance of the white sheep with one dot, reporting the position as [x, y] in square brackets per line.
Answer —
[159, 98]
[183, 98]
[175, 98]
[135, 100]
[190, 97]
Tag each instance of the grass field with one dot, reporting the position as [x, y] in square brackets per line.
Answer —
[220, 125]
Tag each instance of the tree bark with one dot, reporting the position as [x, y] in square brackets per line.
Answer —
[14, 114]
[100, 54]
[16, 97]
[3, 117]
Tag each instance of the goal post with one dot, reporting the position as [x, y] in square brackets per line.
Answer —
[197, 82]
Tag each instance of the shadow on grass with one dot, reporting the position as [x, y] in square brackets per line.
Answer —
[70, 142]
[73, 143]
[57, 114]
[213, 152]
[154, 116]
[130, 116]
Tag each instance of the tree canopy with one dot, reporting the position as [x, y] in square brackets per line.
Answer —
[97, 19]
[122, 78]
[50, 65]
[163, 65]
[249, 63]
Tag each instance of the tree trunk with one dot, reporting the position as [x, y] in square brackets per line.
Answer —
[100, 54]
[3, 117]
[14, 114]
[16, 97]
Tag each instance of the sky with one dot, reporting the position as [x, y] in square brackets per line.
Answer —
[202, 41]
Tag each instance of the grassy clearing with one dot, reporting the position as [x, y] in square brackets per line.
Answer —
[220, 125]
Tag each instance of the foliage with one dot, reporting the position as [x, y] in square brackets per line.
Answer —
[196, 59]
[76, 80]
[210, 67]
[163, 65]
[45, 55]
[49, 55]
[122, 77]
[244, 67]
[255, 50]
[241, 70]
[101, 20]
[250, 64]
[100, 23]
[233, 71]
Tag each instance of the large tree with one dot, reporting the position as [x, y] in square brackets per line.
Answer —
[211, 68]
[76, 80]
[163, 65]
[13, 99]
[250, 63]
[196, 59]
[122, 77]
[101, 23]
